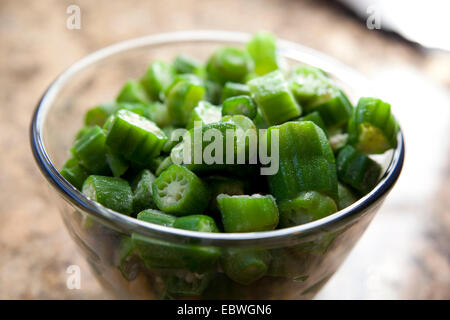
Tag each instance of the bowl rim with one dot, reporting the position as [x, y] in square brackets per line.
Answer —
[130, 225]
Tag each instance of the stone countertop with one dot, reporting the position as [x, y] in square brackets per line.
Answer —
[405, 252]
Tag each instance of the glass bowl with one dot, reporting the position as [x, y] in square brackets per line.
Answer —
[299, 260]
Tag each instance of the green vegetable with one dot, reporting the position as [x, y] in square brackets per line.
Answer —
[316, 118]
[116, 162]
[306, 207]
[245, 266]
[136, 138]
[248, 213]
[90, 150]
[372, 128]
[204, 113]
[158, 77]
[262, 48]
[309, 84]
[180, 192]
[306, 161]
[243, 105]
[98, 114]
[274, 98]
[133, 91]
[187, 284]
[183, 97]
[229, 64]
[222, 185]
[187, 64]
[165, 164]
[357, 170]
[346, 197]
[113, 193]
[129, 262]
[156, 217]
[334, 108]
[172, 140]
[74, 173]
[233, 89]
[213, 91]
[159, 114]
[142, 191]
[197, 222]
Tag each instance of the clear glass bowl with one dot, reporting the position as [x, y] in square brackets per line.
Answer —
[302, 258]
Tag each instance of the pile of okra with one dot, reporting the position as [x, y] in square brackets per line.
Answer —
[125, 157]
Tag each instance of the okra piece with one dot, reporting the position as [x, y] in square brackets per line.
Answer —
[187, 284]
[182, 98]
[165, 164]
[187, 64]
[357, 170]
[242, 105]
[223, 185]
[180, 192]
[316, 118]
[372, 128]
[74, 173]
[80, 133]
[229, 64]
[158, 77]
[306, 207]
[346, 197]
[233, 89]
[142, 191]
[159, 114]
[213, 91]
[129, 262]
[204, 113]
[116, 162]
[306, 161]
[245, 266]
[172, 140]
[263, 50]
[274, 99]
[156, 217]
[248, 213]
[334, 108]
[136, 138]
[133, 92]
[197, 222]
[98, 114]
[90, 150]
[113, 193]
[309, 84]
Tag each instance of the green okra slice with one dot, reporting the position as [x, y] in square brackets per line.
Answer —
[159, 114]
[129, 262]
[90, 150]
[80, 133]
[334, 108]
[259, 121]
[158, 77]
[263, 50]
[243, 213]
[133, 92]
[188, 284]
[222, 185]
[142, 191]
[346, 197]
[187, 64]
[98, 114]
[357, 170]
[306, 161]
[242, 105]
[136, 138]
[316, 118]
[196, 222]
[372, 128]
[116, 162]
[229, 64]
[213, 91]
[183, 97]
[165, 164]
[308, 85]
[274, 99]
[156, 217]
[306, 207]
[204, 113]
[180, 192]
[233, 89]
[245, 266]
[74, 173]
[113, 193]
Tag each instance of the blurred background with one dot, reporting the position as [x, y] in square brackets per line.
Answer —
[402, 46]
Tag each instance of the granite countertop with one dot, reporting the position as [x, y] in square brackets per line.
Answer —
[405, 252]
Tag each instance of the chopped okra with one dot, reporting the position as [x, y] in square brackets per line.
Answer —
[188, 146]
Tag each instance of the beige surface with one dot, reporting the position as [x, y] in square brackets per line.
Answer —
[404, 254]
